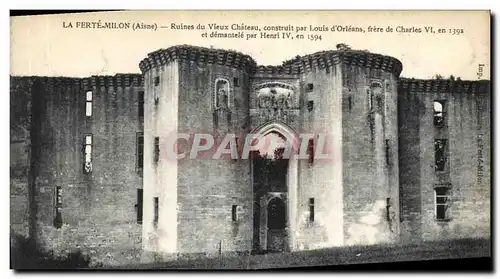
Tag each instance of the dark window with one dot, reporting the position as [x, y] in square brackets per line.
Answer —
[439, 113]
[309, 87]
[387, 209]
[380, 102]
[156, 96]
[440, 154]
[155, 91]
[236, 82]
[238, 146]
[156, 212]
[140, 151]
[139, 205]
[234, 213]
[442, 203]
[310, 105]
[310, 151]
[157, 150]
[276, 214]
[311, 209]
[58, 207]
[349, 100]
[87, 163]
[140, 103]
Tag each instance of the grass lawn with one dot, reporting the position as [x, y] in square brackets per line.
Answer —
[465, 248]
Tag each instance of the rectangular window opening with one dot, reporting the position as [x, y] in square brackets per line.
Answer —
[309, 87]
[157, 150]
[387, 209]
[440, 149]
[87, 164]
[310, 151]
[370, 98]
[234, 213]
[310, 105]
[156, 212]
[156, 96]
[442, 203]
[140, 151]
[349, 102]
[89, 96]
[236, 82]
[88, 104]
[139, 206]
[238, 148]
[439, 113]
[311, 209]
[58, 207]
[141, 104]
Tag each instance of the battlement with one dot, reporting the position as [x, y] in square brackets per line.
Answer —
[297, 65]
[201, 55]
[325, 59]
[443, 85]
[118, 80]
[48, 81]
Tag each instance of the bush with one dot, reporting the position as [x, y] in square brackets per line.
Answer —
[25, 253]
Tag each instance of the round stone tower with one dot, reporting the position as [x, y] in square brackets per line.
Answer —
[344, 192]
[195, 204]
[349, 98]
[370, 147]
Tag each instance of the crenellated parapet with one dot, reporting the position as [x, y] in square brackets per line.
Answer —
[444, 86]
[277, 70]
[47, 81]
[199, 55]
[116, 81]
[326, 59]
[299, 64]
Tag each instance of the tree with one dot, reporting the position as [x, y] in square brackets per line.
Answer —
[343, 47]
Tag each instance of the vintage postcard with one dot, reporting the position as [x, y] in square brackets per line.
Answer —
[249, 139]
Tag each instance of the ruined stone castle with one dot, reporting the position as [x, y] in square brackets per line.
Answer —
[89, 171]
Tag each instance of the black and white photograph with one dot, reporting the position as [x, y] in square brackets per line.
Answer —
[250, 140]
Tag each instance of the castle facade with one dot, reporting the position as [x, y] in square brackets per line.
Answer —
[409, 158]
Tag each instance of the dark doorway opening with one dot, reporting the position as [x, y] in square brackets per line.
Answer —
[270, 173]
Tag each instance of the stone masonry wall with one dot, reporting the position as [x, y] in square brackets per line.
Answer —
[368, 178]
[467, 172]
[98, 209]
[208, 188]
[20, 124]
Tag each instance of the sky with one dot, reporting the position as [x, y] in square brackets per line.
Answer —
[42, 46]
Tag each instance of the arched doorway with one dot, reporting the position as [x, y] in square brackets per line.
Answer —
[274, 187]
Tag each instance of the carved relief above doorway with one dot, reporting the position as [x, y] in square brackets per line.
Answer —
[274, 100]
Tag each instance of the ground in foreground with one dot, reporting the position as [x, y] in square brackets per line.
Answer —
[457, 249]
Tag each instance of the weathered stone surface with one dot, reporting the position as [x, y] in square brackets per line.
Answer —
[377, 188]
